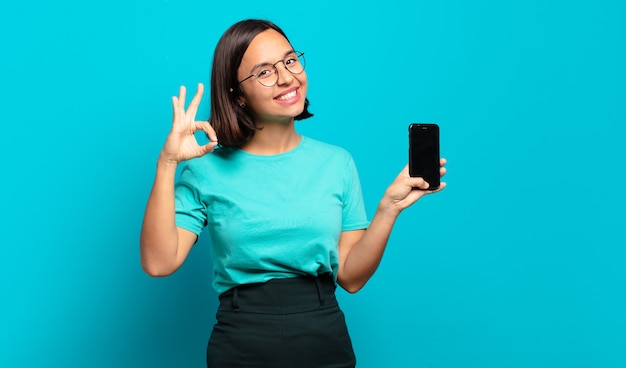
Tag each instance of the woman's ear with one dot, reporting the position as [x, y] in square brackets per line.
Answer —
[241, 101]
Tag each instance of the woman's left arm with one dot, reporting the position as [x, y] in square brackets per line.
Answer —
[360, 251]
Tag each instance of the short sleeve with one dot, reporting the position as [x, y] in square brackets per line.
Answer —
[354, 216]
[191, 212]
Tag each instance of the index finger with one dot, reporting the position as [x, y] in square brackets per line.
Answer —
[208, 130]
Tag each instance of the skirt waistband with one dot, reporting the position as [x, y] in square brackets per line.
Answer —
[281, 296]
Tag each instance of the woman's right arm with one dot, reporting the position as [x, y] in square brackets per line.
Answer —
[163, 245]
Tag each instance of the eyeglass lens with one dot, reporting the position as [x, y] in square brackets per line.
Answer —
[267, 75]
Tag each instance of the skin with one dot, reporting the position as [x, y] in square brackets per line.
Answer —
[164, 246]
[276, 118]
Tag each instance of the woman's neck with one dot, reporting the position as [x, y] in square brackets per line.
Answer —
[273, 139]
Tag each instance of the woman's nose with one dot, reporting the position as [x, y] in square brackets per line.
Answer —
[284, 75]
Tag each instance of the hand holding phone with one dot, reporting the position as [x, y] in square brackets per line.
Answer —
[424, 160]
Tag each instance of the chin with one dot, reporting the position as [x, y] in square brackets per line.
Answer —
[300, 109]
[293, 112]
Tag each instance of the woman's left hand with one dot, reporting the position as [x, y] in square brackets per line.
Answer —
[406, 190]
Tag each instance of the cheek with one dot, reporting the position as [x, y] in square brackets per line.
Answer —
[302, 77]
[256, 97]
[304, 83]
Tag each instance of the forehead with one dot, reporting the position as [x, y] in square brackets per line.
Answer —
[268, 46]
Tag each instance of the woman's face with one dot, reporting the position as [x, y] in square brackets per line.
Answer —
[284, 100]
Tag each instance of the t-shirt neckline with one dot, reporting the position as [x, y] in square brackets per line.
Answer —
[275, 156]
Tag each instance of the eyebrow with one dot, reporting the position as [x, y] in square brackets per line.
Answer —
[257, 66]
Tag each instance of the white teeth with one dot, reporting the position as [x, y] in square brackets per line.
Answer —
[287, 96]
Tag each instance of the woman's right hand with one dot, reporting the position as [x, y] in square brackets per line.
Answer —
[181, 144]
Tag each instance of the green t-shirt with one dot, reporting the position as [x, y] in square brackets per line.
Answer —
[273, 216]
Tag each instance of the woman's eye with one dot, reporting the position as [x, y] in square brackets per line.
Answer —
[264, 73]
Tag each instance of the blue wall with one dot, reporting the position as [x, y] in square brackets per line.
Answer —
[518, 263]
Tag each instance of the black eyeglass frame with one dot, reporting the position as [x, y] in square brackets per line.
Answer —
[298, 55]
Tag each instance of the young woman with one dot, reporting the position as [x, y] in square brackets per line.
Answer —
[284, 212]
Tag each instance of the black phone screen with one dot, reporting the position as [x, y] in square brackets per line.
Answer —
[424, 153]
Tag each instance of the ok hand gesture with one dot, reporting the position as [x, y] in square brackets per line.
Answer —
[181, 144]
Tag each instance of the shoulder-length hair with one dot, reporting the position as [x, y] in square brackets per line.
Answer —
[234, 125]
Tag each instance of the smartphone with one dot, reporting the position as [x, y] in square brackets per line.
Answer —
[424, 153]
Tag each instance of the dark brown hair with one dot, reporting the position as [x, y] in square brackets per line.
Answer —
[234, 125]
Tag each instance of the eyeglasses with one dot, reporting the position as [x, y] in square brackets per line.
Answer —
[267, 74]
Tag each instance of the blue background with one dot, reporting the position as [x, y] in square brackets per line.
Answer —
[518, 263]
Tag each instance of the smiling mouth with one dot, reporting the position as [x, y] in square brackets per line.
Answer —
[287, 96]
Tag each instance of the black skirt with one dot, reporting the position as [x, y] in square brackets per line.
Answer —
[284, 323]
